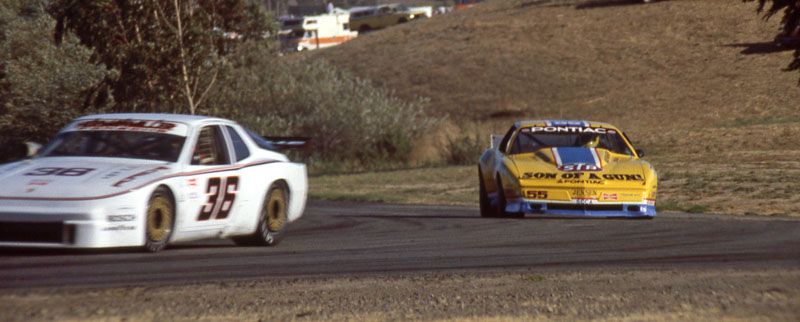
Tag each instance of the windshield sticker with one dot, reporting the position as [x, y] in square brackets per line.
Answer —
[567, 129]
[566, 123]
[131, 125]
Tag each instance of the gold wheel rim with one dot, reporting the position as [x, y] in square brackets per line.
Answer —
[159, 219]
[276, 210]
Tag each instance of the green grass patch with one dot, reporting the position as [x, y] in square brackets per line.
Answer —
[697, 209]
[452, 185]
[367, 197]
[668, 205]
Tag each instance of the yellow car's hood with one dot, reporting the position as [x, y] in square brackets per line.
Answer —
[581, 167]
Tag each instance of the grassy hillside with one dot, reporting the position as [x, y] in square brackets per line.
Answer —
[697, 84]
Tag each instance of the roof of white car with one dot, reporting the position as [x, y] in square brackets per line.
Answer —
[182, 118]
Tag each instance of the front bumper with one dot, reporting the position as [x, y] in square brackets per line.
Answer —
[583, 209]
[69, 224]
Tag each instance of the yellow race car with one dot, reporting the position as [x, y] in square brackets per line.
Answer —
[565, 168]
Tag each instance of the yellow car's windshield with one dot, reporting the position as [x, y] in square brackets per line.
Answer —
[532, 139]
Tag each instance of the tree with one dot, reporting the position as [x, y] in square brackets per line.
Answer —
[790, 19]
[40, 83]
[166, 54]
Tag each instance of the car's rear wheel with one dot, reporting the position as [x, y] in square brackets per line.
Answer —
[272, 219]
[502, 202]
[483, 198]
[160, 220]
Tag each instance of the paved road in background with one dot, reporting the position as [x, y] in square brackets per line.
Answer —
[341, 239]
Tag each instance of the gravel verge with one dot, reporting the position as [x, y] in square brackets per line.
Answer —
[603, 294]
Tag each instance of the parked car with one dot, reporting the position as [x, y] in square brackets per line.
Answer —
[377, 17]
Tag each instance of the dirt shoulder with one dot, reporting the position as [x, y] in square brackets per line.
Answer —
[619, 295]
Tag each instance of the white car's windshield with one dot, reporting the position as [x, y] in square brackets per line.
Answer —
[116, 144]
[532, 139]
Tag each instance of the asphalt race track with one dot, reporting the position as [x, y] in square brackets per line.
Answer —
[340, 239]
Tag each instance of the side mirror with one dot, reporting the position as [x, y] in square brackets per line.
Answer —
[33, 149]
[640, 153]
[495, 140]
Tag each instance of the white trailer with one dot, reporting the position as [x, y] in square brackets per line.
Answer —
[315, 32]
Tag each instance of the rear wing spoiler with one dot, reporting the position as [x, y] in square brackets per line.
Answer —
[276, 143]
[288, 142]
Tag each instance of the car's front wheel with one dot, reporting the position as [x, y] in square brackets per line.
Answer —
[483, 198]
[160, 220]
[502, 202]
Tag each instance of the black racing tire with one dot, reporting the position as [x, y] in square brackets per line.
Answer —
[272, 218]
[483, 198]
[160, 220]
[501, 202]
[364, 29]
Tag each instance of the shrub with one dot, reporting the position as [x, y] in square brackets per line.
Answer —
[464, 148]
[350, 122]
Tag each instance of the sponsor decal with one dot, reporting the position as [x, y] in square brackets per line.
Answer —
[120, 218]
[583, 193]
[609, 196]
[580, 181]
[119, 228]
[39, 182]
[134, 176]
[192, 182]
[579, 177]
[623, 177]
[572, 159]
[131, 125]
[541, 175]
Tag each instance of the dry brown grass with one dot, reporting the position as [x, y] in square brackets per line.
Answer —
[696, 84]
[607, 294]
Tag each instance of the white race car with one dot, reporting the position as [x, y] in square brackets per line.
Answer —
[119, 180]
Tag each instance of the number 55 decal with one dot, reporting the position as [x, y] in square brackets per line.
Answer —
[220, 201]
